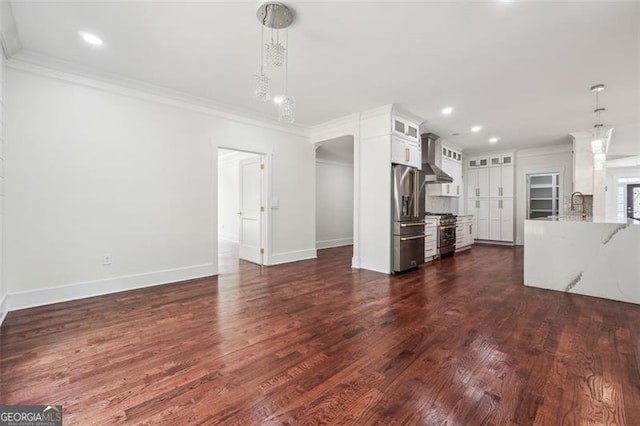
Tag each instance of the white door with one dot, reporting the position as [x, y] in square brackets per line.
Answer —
[483, 182]
[482, 233]
[495, 181]
[250, 203]
[507, 181]
[506, 216]
[472, 183]
[495, 216]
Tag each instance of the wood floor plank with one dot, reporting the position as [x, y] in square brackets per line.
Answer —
[459, 341]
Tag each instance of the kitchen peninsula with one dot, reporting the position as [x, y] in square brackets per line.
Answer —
[584, 256]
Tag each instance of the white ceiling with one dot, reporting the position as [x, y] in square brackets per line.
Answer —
[520, 69]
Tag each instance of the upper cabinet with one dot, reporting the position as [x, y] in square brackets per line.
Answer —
[501, 160]
[406, 152]
[405, 142]
[449, 159]
[405, 128]
[475, 162]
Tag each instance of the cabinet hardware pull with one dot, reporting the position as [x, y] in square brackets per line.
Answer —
[404, 225]
[417, 237]
[406, 154]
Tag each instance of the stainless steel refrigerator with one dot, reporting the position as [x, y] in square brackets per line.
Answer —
[408, 217]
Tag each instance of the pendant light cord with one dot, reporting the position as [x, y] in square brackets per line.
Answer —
[262, 50]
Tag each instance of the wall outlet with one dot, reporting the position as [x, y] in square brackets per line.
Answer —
[106, 259]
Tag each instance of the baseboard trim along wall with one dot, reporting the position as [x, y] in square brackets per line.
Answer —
[47, 296]
[339, 242]
[292, 256]
[3, 308]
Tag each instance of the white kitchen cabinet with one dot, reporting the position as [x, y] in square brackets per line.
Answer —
[479, 207]
[477, 183]
[501, 181]
[406, 152]
[407, 129]
[490, 192]
[464, 232]
[501, 160]
[430, 239]
[501, 219]
[450, 161]
[474, 162]
[507, 181]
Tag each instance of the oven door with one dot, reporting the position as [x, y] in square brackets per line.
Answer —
[446, 239]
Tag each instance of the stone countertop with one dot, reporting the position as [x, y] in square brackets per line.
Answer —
[588, 219]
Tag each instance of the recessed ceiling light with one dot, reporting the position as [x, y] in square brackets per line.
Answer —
[278, 99]
[447, 110]
[493, 139]
[90, 38]
[476, 128]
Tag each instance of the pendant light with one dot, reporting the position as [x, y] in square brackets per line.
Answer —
[599, 141]
[262, 92]
[274, 55]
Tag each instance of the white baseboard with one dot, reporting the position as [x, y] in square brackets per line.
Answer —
[494, 242]
[46, 296]
[3, 308]
[292, 256]
[338, 242]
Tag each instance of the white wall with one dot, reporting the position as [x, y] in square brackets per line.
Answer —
[439, 204]
[334, 204]
[3, 291]
[228, 194]
[554, 159]
[94, 169]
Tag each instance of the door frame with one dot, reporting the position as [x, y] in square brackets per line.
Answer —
[265, 196]
[629, 199]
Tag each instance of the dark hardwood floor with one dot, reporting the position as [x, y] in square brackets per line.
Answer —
[458, 342]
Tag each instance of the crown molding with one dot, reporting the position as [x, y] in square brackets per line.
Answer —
[9, 37]
[397, 109]
[52, 68]
[347, 125]
[544, 150]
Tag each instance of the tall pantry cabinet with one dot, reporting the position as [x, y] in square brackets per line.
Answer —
[490, 183]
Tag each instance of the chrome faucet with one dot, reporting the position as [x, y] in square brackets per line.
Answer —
[581, 203]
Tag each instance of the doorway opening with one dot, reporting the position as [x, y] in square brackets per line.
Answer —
[633, 201]
[335, 193]
[241, 200]
[543, 191]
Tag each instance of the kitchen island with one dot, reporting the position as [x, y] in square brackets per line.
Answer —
[584, 256]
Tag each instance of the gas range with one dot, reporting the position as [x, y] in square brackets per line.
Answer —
[446, 232]
[444, 219]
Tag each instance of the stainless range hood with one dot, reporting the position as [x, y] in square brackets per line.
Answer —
[431, 172]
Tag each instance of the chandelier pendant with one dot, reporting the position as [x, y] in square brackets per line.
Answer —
[274, 56]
